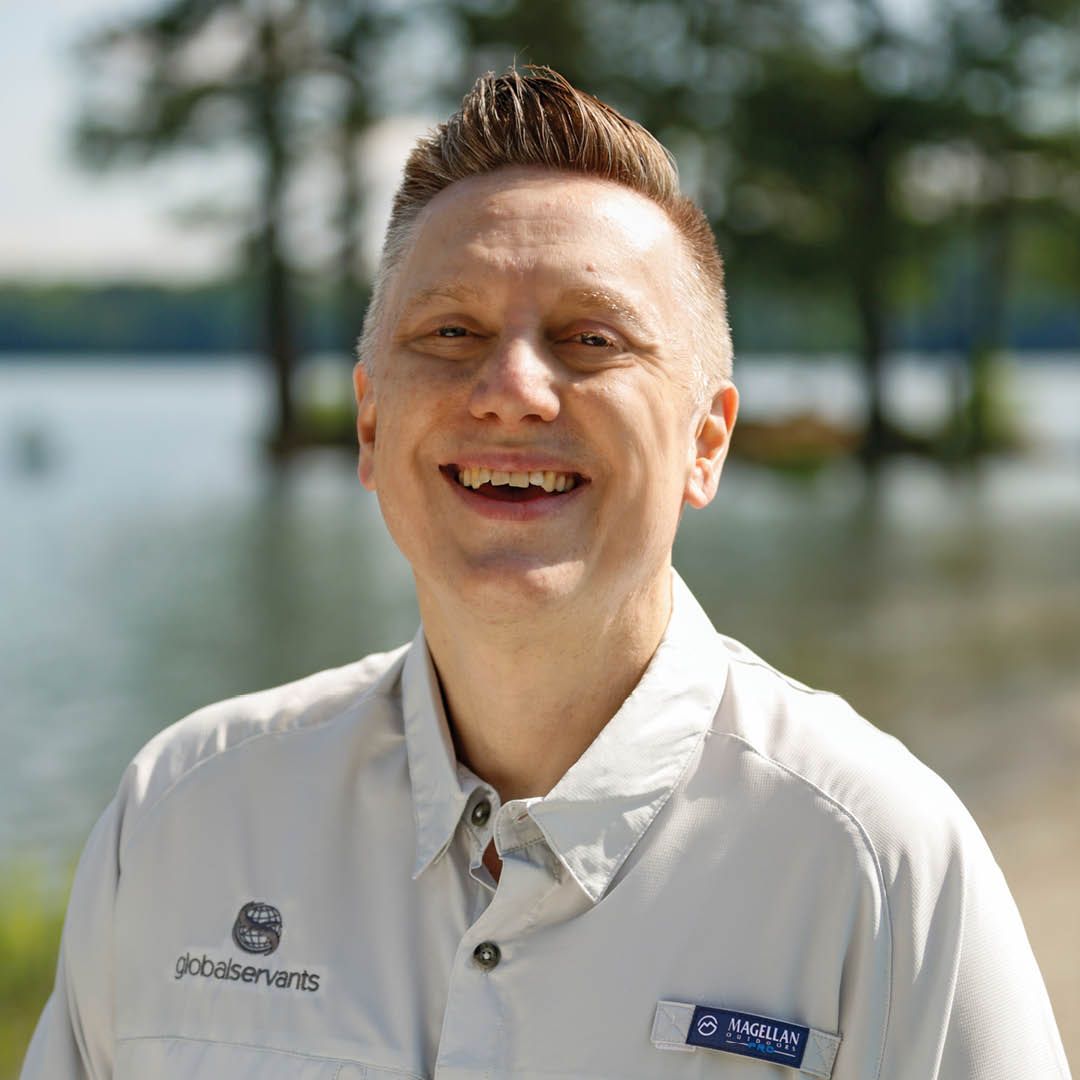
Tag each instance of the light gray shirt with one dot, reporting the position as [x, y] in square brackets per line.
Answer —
[738, 880]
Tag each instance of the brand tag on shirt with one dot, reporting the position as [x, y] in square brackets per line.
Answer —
[681, 1026]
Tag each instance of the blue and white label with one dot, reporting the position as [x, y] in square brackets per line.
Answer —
[761, 1037]
[680, 1026]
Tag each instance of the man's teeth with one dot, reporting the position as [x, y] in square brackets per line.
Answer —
[549, 481]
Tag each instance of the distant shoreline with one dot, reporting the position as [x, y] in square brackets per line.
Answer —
[931, 358]
[223, 316]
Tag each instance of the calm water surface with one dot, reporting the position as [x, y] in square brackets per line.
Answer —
[149, 564]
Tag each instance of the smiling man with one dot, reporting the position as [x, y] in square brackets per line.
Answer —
[570, 831]
[533, 415]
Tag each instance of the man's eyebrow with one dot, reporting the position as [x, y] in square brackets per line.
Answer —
[456, 292]
[596, 298]
[591, 298]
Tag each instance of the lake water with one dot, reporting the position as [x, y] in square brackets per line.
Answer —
[149, 564]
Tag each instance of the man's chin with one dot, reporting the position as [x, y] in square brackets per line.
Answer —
[508, 587]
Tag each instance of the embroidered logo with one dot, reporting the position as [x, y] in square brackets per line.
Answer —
[257, 928]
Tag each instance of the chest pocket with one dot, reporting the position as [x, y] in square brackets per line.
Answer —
[160, 1058]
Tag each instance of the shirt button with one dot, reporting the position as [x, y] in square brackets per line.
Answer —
[487, 955]
[480, 813]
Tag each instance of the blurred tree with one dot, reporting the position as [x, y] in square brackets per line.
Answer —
[829, 144]
[350, 34]
[1017, 65]
[353, 34]
[290, 80]
[202, 74]
[869, 145]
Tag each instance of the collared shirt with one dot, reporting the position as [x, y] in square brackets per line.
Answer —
[290, 885]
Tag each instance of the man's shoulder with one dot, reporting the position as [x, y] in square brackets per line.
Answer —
[308, 705]
[897, 806]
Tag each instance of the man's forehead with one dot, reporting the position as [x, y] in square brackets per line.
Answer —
[572, 202]
[578, 239]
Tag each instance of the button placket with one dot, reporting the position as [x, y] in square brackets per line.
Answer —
[481, 823]
[477, 996]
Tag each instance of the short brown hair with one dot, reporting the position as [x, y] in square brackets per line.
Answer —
[536, 118]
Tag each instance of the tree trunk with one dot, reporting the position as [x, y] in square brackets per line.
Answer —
[280, 342]
[870, 310]
[278, 328]
[991, 277]
[868, 288]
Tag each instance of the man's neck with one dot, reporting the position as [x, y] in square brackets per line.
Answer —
[525, 699]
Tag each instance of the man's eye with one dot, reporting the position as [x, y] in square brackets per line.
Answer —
[451, 331]
[595, 341]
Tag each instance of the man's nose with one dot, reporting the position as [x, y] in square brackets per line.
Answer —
[515, 383]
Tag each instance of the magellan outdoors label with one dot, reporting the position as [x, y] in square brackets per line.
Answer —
[678, 1025]
[748, 1035]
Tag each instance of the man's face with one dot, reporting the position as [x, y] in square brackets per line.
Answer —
[537, 332]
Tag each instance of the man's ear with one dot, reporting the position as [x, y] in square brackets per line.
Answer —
[365, 425]
[711, 447]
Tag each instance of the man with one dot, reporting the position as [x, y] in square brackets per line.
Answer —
[569, 831]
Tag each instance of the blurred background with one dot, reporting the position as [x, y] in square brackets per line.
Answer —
[192, 197]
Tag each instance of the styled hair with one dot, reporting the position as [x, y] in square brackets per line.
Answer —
[536, 118]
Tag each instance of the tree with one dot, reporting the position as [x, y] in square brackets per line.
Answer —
[1018, 68]
[353, 33]
[203, 74]
[839, 148]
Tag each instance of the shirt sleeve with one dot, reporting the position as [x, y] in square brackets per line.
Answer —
[967, 999]
[74, 1037]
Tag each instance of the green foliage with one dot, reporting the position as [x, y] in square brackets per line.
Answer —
[30, 921]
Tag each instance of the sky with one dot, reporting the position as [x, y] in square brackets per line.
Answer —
[59, 222]
[56, 220]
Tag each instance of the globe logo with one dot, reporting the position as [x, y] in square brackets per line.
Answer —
[257, 928]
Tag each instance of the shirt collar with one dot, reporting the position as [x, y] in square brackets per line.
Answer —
[440, 786]
[595, 815]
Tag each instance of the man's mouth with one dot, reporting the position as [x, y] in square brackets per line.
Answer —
[513, 486]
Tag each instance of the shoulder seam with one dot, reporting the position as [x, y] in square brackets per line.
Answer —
[148, 808]
[854, 819]
[794, 684]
